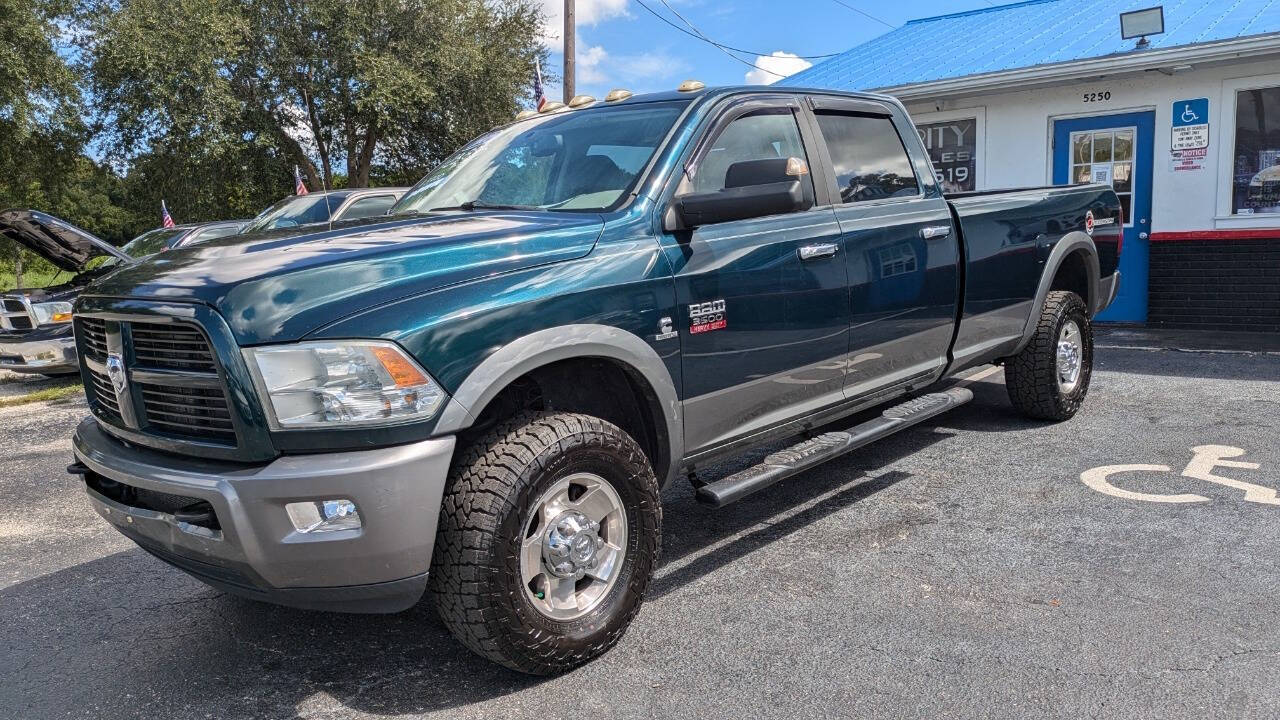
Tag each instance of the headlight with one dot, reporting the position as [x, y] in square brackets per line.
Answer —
[342, 382]
[52, 313]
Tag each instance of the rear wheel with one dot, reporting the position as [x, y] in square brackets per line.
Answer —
[549, 535]
[1049, 379]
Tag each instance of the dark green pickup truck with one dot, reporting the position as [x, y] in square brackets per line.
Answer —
[483, 394]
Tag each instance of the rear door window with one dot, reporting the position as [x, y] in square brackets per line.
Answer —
[870, 161]
[369, 207]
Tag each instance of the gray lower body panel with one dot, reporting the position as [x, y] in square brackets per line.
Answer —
[252, 548]
[1108, 287]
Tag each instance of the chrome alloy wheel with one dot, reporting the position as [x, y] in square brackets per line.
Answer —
[573, 547]
[1070, 356]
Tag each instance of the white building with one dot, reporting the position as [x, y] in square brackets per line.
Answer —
[1184, 122]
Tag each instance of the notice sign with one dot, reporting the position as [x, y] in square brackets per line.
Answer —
[1185, 160]
[1190, 124]
[1102, 173]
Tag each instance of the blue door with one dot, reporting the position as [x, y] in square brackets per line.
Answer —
[1116, 149]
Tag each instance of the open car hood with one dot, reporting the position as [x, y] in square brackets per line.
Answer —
[61, 243]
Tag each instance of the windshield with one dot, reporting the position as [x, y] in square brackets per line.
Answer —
[584, 161]
[151, 242]
[293, 211]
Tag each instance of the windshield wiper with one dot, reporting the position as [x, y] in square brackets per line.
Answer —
[472, 205]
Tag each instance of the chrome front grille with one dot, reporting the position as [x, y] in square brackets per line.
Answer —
[16, 314]
[172, 385]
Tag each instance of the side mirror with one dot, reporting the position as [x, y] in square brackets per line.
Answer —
[753, 188]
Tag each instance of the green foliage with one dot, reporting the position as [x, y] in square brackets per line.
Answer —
[379, 89]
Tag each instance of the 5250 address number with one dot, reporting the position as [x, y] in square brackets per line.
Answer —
[1092, 97]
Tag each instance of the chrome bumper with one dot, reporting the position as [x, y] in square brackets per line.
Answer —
[251, 547]
[52, 356]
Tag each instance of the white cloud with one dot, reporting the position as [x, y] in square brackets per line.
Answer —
[772, 68]
[588, 12]
[590, 66]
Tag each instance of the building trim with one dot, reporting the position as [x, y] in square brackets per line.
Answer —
[1197, 235]
[1236, 49]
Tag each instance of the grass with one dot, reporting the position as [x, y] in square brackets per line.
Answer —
[49, 394]
[32, 279]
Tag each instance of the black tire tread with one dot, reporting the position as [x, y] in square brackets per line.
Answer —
[1031, 375]
[488, 478]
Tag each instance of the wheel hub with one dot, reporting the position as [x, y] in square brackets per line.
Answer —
[571, 545]
[1070, 352]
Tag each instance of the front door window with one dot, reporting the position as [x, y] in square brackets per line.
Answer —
[1105, 156]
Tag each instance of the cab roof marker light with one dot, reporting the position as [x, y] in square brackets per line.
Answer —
[580, 101]
[525, 114]
[617, 94]
[691, 86]
[551, 107]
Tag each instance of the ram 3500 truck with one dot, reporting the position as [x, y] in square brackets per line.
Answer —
[482, 395]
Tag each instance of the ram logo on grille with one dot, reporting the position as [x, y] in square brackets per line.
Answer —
[115, 371]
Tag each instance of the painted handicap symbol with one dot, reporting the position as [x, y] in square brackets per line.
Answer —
[1207, 458]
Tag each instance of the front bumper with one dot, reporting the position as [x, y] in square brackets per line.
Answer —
[252, 548]
[51, 356]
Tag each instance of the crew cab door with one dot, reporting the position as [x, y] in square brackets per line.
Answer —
[900, 248]
[763, 310]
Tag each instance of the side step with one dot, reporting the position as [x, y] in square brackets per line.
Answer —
[815, 451]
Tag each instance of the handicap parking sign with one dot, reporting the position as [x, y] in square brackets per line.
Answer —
[1190, 124]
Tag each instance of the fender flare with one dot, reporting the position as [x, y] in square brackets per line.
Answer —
[1075, 241]
[567, 342]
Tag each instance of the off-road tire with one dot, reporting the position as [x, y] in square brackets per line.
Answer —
[1031, 376]
[475, 578]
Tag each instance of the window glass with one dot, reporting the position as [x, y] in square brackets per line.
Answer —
[870, 160]
[211, 232]
[1256, 178]
[369, 207]
[952, 148]
[152, 241]
[584, 160]
[296, 210]
[757, 136]
[1106, 156]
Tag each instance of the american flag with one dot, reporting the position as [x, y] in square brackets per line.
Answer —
[538, 96]
[299, 187]
[166, 220]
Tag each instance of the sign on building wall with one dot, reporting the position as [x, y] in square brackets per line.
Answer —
[952, 147]
[1189, 141]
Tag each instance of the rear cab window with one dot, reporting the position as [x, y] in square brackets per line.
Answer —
[868, 156]
[370, 206]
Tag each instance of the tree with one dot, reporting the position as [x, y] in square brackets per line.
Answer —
[377, 89]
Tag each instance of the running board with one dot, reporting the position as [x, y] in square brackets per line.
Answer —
[815, 451]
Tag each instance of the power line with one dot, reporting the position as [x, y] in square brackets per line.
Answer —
[697, 35]
[864, 14]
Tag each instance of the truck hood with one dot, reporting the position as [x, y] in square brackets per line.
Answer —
[280, 285]
[61, 243]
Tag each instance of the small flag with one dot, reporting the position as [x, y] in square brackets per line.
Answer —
[166, 220]
[539, 98]
[299, 187]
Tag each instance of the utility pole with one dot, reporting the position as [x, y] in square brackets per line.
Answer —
[570, 29]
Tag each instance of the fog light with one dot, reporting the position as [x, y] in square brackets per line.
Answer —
[323, 515]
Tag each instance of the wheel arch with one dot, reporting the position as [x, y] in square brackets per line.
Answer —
[1072, 265]
[540, 350]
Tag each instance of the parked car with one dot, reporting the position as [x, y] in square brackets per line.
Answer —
[35, 325]
[482, 395]
[325, 207]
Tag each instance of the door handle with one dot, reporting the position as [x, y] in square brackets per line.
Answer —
[817, 252]
[934, 232]
[1142, 236]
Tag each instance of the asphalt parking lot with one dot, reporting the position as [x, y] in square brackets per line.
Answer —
[960, 569]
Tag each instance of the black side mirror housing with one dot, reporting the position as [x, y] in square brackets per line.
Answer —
[753, 188]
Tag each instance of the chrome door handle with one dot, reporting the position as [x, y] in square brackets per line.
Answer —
[816, 252]
[1142, 236]
[934, 232]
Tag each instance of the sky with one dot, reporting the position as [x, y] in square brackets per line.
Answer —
[622, 44]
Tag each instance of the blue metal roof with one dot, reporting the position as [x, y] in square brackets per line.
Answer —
[1026, 34]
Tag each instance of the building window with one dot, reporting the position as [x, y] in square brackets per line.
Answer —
[952, 147]
[1106, 156]
[1256, 175]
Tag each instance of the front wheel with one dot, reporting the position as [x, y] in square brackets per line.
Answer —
[549, 535]
[1049, 379]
